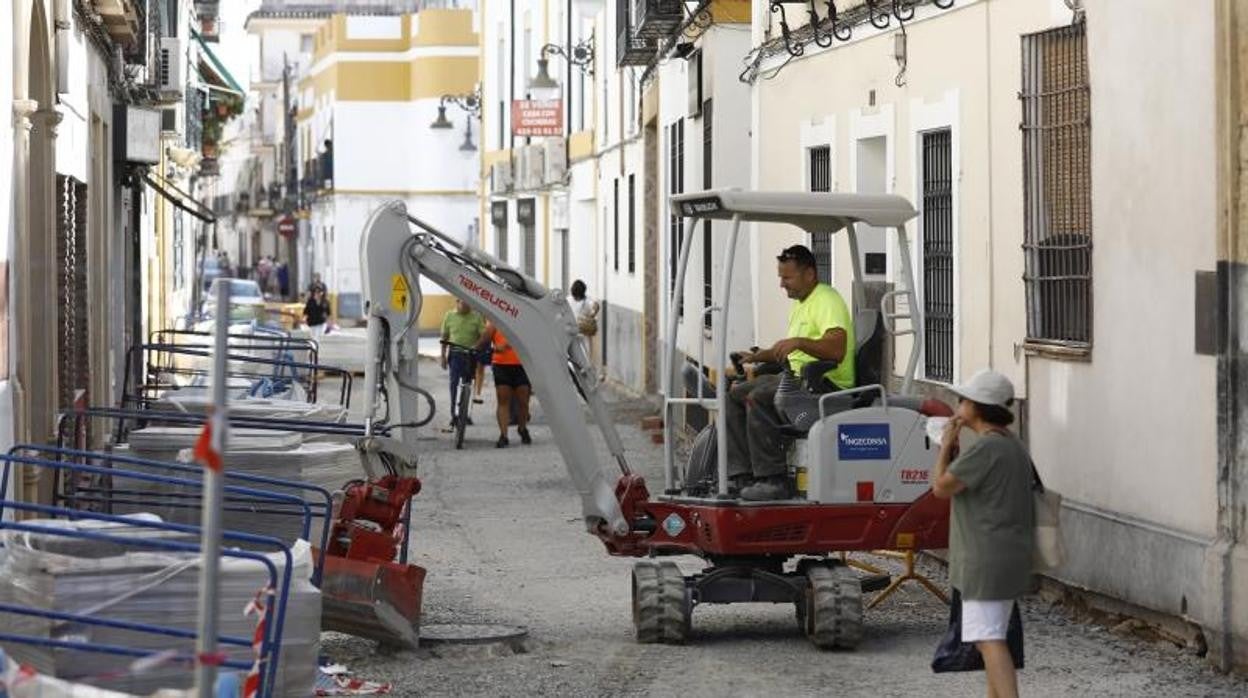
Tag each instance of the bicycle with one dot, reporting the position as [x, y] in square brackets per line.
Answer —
[463, 404]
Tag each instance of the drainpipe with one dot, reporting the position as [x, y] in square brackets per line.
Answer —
[1232, 313]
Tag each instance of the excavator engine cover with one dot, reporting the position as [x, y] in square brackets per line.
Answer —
[365, 590]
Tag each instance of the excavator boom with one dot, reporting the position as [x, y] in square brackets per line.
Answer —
[538, 322]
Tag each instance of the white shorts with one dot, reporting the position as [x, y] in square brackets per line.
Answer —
[985, 620]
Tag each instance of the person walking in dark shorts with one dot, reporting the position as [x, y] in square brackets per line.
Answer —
[510, 380]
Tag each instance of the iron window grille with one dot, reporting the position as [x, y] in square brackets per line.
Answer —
[1057, 176]
[656, 18]
[632, 224]
[821, 180]
[630, 48]
[675, 179]
[615, 225]
[71, 253]
[708, 270]
[937, 219]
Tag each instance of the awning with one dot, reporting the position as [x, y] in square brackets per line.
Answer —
[180, 199]
[213, 70]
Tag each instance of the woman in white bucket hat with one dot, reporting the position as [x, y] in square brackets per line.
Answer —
[991, 526]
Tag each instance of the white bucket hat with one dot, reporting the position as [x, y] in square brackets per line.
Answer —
[987, 387]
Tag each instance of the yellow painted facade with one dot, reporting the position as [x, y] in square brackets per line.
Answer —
[731, 11]
[434, 53]
[580, 146]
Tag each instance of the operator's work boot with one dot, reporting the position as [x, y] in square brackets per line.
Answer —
[767, 489]
[737, 483]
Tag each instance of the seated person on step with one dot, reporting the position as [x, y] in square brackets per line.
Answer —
[821, 328]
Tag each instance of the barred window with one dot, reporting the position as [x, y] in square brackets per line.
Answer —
[1057, 130]
[938, 255]
[676, 185]
[615, 224]
[821, 180]
[632, 224]
[73, 369]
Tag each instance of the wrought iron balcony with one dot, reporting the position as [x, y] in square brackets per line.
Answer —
[124, 21]
[656, 18]
[634, 50]
[208, 13]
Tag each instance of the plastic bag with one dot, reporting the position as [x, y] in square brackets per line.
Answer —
[954, 655]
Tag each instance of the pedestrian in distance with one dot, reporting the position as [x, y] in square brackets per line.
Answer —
[585, 310]
[510, 380]
[461, 326]
[316, 312]
[992, 522]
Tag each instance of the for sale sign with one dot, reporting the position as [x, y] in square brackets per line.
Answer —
[537, 118]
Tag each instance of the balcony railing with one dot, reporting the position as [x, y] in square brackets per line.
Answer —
[208, 12]
[634, 50]
[656, 18]
[123, 20]
[318, 173]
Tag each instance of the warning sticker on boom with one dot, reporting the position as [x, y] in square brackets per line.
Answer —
[399, 293]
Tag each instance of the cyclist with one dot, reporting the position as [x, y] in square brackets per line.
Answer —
[463, 327]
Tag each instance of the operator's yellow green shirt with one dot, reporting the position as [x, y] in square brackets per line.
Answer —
[464, 329]
[823, 310]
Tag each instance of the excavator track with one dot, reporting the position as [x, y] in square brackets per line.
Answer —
[832, 616]
[661, 608]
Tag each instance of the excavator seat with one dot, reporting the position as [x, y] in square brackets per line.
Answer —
[798, 401]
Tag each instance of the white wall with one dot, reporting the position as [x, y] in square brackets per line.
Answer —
[1138, 424]
[388, 146]
[8, 230]
[722, 46]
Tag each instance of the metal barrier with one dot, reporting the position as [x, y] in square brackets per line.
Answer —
[105, 492]
[275, 614]
[160, 361]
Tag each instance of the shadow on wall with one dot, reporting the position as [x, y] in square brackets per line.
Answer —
[622, 339]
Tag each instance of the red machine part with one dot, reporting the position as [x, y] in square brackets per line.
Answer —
[369, 523]
[784, 529]
[366, 591]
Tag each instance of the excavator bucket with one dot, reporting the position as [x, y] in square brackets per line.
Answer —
[375, 600]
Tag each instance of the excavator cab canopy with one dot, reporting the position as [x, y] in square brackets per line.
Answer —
[814, 212]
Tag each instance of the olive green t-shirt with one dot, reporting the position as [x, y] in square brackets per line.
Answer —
[464, 329]
[811, 318]
[992, 525]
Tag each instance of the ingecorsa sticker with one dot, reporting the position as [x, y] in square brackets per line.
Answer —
[863, 442]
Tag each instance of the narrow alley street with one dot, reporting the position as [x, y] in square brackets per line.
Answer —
[499, 533]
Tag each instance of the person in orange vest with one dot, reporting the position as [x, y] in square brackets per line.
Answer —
[510, 381]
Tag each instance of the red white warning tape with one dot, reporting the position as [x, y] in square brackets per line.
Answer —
[257, 607]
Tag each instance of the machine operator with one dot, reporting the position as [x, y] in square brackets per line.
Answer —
[820, 328]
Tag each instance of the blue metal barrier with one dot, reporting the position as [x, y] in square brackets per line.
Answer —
[275, 614]
[322, 510]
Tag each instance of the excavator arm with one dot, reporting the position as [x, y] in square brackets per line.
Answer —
[396, 250]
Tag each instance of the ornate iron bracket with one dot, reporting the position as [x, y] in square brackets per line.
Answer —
[794, 49]
[581, 55]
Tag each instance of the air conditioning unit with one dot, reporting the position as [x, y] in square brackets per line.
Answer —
[171, 68]
[500, 177]
[556, 161]
[533, 166]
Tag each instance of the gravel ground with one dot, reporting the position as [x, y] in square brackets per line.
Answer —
[500, 534]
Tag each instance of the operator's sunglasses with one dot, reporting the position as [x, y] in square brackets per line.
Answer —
[792, 255]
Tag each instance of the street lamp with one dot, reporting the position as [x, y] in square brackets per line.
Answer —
[470, 103]
[581, 56]
[468, 146]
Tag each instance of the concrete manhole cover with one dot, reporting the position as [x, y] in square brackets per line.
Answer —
[470, 633]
